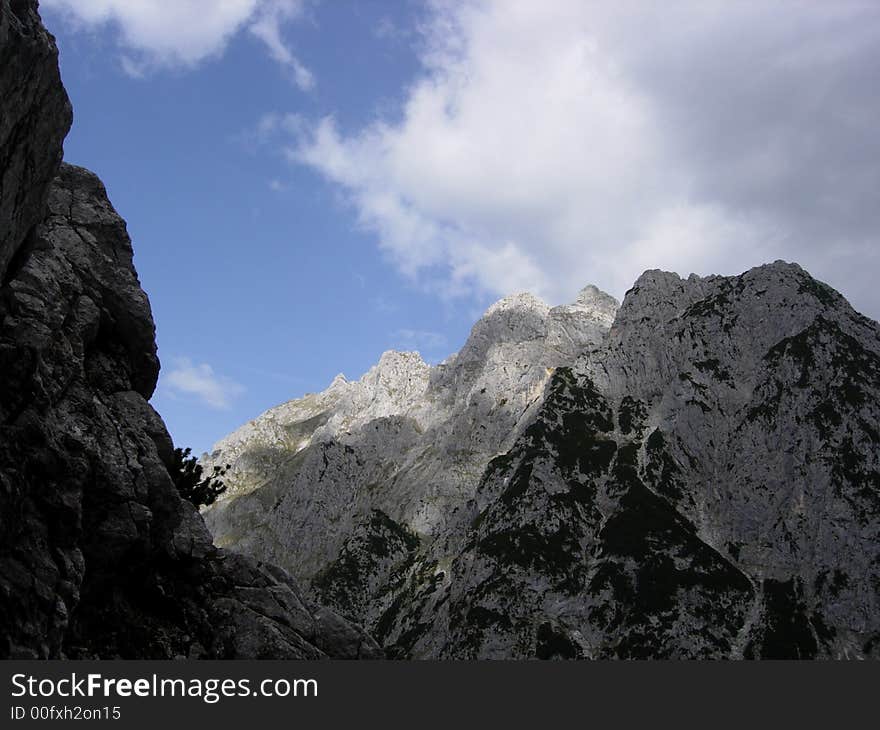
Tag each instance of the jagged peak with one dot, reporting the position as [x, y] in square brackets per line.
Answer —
[391, 358]
[658, 278]
[523, 317]
[396, 364]
[780, 270]
[515, 318]
[601, 305]
[664, 295]
[588, 294]
[338, 381]
[590, 298]
[521, 300]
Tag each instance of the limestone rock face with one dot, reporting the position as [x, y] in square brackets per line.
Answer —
[406, 440]
[35, 119]
[99, 556]
[705, 485]
[357, 480]
[700, 478]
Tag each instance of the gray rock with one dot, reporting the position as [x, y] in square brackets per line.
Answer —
[407, 440]
[701, 480]
[99, 555]
[35, 118]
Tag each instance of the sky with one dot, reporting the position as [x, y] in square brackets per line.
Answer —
[309, 183]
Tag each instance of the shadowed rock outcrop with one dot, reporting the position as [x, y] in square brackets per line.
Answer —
[99, 556]
[35, 115]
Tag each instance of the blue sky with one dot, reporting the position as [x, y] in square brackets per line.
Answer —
[262, 286]
[309, 183]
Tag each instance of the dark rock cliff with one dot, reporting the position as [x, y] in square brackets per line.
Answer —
[99, 556]
[34, 118]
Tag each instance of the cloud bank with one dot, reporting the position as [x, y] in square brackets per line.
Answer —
[199, 381]
[183, 33]
[547, 145]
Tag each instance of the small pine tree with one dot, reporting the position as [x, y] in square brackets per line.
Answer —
[188, 477]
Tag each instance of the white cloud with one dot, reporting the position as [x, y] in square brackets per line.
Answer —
[267, 26]
[164, 34]
[547, 145]
[187, 378]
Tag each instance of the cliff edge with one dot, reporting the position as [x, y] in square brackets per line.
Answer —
[99, 556]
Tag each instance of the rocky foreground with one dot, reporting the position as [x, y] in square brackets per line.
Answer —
[99, 556]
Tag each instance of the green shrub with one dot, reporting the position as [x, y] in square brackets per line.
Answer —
[188, 476]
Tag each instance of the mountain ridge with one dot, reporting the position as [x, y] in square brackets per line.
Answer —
[698, 478]
[693, 473]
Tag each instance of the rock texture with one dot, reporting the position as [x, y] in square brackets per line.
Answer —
[407, 441]
[35, 116]
[694, 474]
[699, 479]
[99, 556]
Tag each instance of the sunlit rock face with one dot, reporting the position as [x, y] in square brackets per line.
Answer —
[99, 555]
[406, 439]
[693, 475]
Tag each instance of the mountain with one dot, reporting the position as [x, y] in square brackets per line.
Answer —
[408, 440]
[99, 555]
[693, 475]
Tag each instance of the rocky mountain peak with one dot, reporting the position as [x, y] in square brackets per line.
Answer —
[517, 318]
[699, 480]
[395, 365]
[521, 301]
[520, 319]
[416, 435]
[388, 388]
[603, 306]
